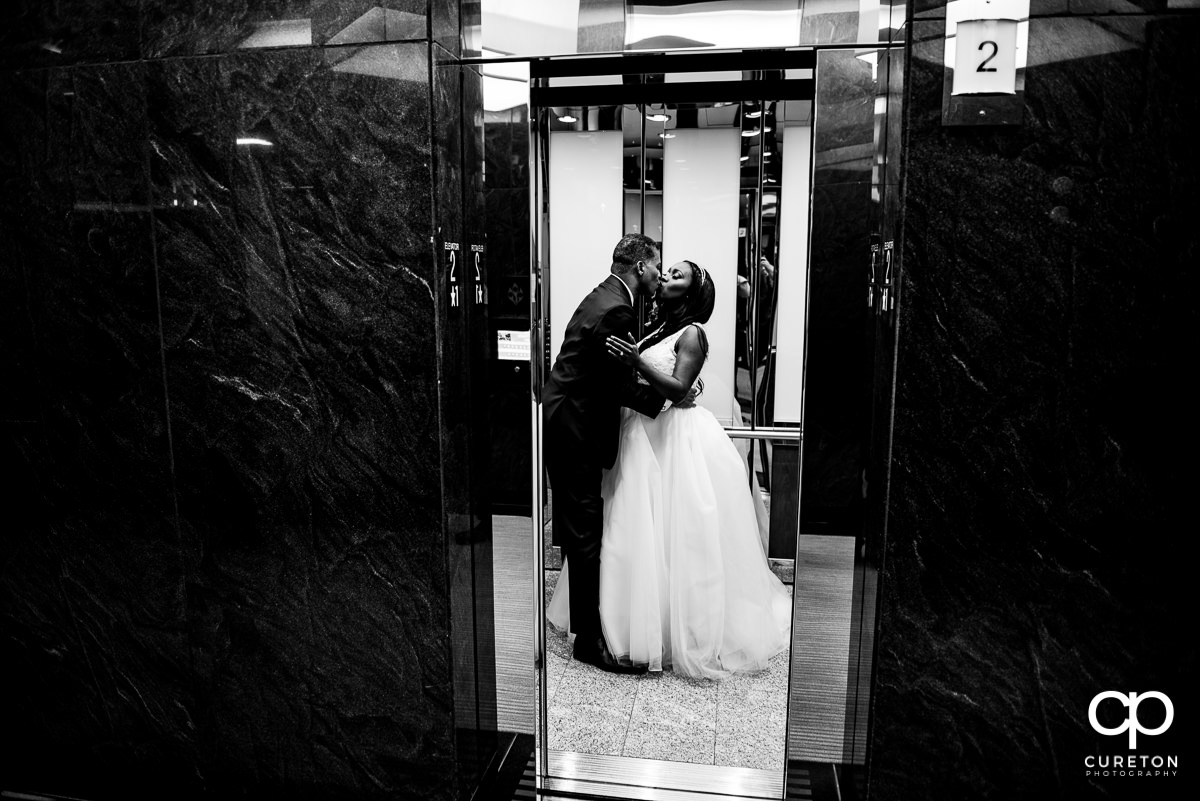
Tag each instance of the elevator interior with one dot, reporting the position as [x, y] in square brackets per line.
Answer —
[773, 170]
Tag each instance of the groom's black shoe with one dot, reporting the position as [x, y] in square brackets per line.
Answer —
[599, 656]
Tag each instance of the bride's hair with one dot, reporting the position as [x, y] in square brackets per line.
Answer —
[696, 306]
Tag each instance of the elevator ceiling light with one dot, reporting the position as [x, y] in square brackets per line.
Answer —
[658, 117]
[753, 114]
[254, 141]
[754, 132]
[665, 135]
[567, 118]
[745, 158]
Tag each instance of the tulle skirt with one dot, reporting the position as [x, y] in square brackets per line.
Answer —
[684, 579]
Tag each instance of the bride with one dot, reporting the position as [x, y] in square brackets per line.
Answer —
[684, 581]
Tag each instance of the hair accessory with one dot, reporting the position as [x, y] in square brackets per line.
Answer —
[703, 275]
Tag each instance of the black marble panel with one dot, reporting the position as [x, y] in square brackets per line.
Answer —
[40, 34]
[337, 22]
[891, 78]
[1043, 436]
[189, 27]
[92, 590]
[824, 22]
[936, 9]
[185, 27]
[298, 315]
[471, 12]
[446, 25]
[1109, 6]
[844, 146]
[33, 134]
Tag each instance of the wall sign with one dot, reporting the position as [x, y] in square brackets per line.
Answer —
[985, 59]
[513, 346]
[451, 249]
[887, 301]
[480, 282]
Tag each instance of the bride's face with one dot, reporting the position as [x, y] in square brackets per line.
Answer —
[676, 281]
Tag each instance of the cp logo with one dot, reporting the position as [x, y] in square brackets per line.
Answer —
[1131, 723]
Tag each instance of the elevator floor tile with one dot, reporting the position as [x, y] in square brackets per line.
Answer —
[738, 722]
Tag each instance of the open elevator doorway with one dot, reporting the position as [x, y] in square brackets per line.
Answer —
[710, 154]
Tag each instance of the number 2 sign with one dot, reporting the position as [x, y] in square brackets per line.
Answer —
[985, 47]
[985, 60]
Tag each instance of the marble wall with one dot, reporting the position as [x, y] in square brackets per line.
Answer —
[236, 560]
[1043, 445]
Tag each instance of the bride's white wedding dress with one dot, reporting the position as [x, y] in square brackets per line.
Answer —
[684, 580]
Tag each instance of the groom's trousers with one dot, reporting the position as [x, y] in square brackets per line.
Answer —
[578, 514]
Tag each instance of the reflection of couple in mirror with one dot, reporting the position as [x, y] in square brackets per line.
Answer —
[652, 508]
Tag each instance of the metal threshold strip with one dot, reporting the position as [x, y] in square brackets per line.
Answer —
[795, 434]
[656, 780]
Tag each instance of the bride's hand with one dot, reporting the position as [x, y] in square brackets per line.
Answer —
[623, 350]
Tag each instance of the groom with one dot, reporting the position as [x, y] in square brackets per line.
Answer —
[581, 407]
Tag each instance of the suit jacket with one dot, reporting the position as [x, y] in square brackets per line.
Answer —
[583, 397]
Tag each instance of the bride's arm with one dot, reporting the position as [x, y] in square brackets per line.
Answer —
[689, 358]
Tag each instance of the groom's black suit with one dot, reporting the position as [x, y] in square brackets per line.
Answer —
[581, 407]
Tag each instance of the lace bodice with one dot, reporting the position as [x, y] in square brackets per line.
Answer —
[661, 355]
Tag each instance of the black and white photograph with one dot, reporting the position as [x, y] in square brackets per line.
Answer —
[648, 400]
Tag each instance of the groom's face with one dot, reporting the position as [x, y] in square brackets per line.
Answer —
[648, 276]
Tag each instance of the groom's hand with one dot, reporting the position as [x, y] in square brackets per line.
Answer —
[696, 391]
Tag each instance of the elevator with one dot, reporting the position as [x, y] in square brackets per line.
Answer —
[774, 170]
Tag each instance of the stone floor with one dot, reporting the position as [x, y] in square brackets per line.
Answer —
[740, 721]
